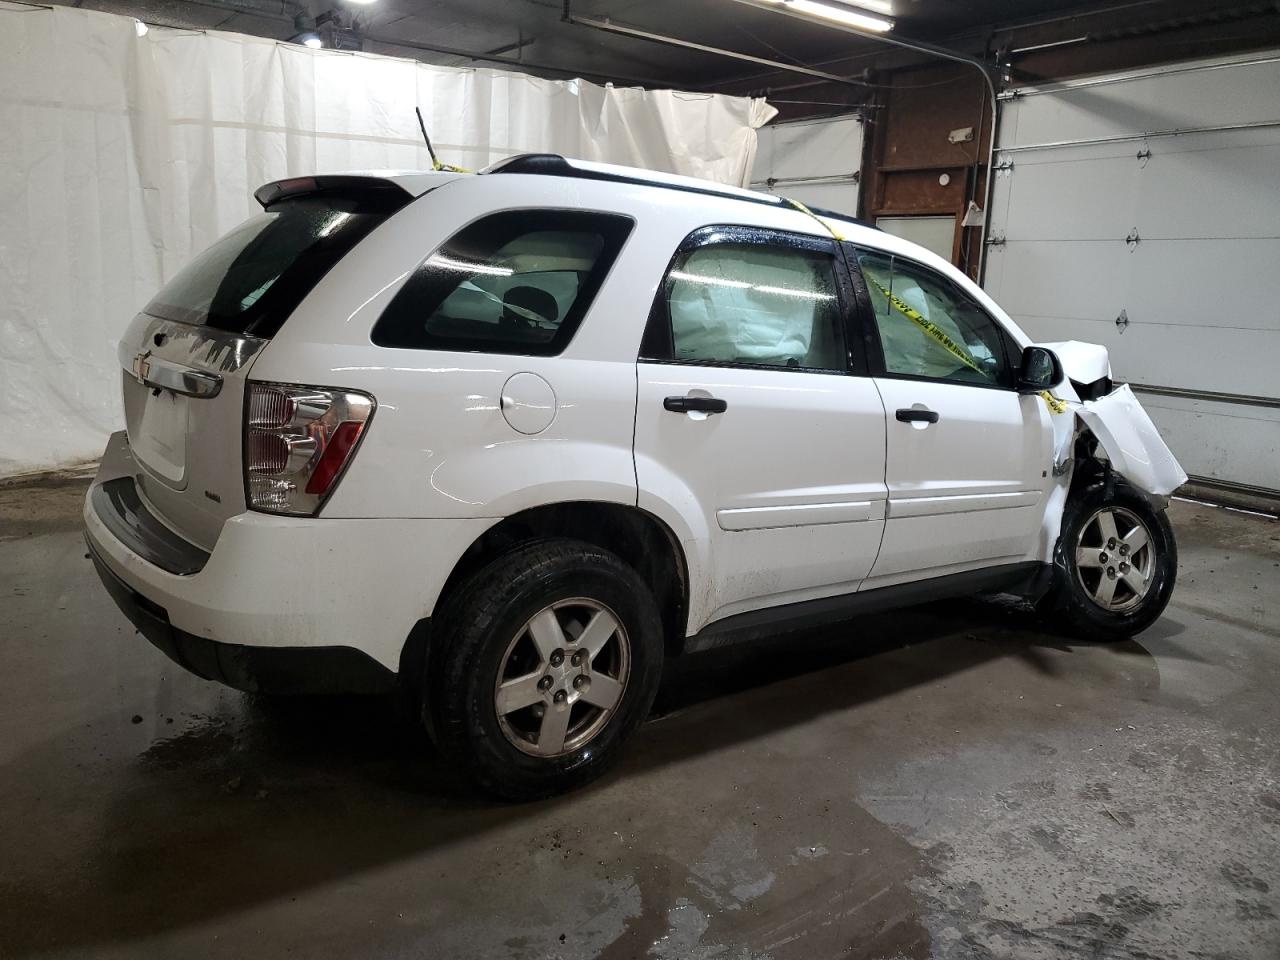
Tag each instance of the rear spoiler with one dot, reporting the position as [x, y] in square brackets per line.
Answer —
[379, 191]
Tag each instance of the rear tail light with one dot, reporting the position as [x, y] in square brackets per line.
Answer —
[297, 442]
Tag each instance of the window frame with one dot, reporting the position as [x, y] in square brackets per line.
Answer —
[870, 330]
[616, 229]
[657, 346]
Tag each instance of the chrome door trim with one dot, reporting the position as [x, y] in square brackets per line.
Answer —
[176, 377]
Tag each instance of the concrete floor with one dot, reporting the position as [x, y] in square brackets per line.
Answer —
[943, 782]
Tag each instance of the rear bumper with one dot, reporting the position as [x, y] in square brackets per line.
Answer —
[281, 603]
[307, 670]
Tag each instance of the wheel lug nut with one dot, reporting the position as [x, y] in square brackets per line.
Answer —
[580, 682]
[561, 696]
[557, 657]
[1102, 558]
[1111, 572]
[578, 657]
[545, 683]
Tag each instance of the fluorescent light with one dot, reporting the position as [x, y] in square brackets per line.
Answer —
[313, 42]
[466, 266]
[744, 285]
[361, 2]
[713, 281]
[838, 14]
[876, 6]
[140, 28]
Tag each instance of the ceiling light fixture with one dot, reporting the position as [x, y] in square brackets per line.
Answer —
[140, 28]
[832, 12]
[312, 41]
[875, 6]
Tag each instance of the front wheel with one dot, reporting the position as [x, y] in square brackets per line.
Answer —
[545, 662]
[1115, 565]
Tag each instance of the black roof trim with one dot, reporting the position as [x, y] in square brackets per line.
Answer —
[554, 165]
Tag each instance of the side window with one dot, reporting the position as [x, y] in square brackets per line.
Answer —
[515, 282]
[752, 303]
[930, 329]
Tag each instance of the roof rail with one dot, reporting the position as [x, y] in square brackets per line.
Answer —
[555, 165]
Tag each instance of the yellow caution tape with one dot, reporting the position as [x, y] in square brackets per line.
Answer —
[447, 168]
[930, 328]
[1054, 404]
[829, 228]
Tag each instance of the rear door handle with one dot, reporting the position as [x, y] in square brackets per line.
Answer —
[909, 415]
[692, 404]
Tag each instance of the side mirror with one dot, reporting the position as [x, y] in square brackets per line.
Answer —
[1040, 370]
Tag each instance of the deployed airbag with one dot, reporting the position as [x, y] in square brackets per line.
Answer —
[739, 303]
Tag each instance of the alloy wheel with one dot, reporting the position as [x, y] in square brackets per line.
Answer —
[562, 677]
[1115, 559]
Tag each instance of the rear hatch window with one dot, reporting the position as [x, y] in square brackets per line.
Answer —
[251, 279]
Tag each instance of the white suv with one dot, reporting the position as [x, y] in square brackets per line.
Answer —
[506, 441]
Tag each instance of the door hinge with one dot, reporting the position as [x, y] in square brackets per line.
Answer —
[1122, 321]
[1133, 239]
[1004, 166]
[1144, 155]
[996, 240]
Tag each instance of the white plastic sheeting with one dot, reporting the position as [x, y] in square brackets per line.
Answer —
[124, 155]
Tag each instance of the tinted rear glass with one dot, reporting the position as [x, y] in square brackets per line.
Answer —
[514, 282]
[252, 278]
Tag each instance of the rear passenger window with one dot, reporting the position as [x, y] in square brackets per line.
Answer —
[516, 282]
[751, 303]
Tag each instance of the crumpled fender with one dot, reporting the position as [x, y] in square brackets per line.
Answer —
[1132, 442]
[1125, 432]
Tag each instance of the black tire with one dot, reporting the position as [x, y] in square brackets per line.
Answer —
[1070, 604]
[481, 627]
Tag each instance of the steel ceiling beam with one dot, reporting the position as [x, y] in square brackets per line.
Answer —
[616, 28]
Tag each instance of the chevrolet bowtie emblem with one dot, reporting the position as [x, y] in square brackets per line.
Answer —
[142, 366]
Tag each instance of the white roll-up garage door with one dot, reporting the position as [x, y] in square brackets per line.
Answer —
[1142, 211]
[814, 161]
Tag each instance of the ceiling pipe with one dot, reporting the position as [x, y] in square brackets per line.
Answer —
[944, 53]
[779, 65]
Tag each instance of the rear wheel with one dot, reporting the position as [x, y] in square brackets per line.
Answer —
[1115, 566]
[543, 664]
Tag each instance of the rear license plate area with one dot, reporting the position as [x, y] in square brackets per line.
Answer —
[160, 440]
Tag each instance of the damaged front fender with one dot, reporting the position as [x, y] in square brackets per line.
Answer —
[1132, 442]
[1117, 420]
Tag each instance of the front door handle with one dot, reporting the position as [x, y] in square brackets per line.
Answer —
[910, 415]
[692, 404]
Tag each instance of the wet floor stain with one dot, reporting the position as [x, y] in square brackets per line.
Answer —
[947, 782]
